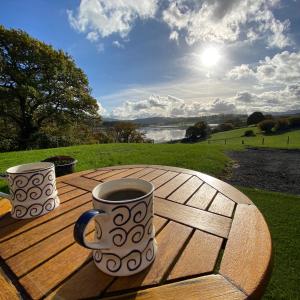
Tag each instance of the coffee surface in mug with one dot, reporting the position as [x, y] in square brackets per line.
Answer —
[123, 194]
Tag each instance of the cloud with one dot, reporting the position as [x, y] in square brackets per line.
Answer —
[103, 18]
[174, 36]
[282, 68]
[222, 106]
[102, 111]
[227, 21]
[117, 44]
[100, 47]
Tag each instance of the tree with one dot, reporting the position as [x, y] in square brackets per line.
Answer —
[39, 86]
[255, 118]
[225, 126]
[282, 124]
[266, 125]
[126, 132]
[199, 131]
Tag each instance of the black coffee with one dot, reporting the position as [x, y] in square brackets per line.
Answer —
[125, 194]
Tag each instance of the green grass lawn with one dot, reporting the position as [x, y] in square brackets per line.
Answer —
[234, 137]
[281, 211]
[198, 157]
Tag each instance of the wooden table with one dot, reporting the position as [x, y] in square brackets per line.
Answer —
[213, 243]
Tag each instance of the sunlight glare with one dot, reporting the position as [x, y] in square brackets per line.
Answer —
[210, 57]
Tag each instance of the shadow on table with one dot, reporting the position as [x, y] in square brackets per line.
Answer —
[90, 282]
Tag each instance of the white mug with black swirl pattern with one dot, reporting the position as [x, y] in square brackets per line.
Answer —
[32, 189]
[124, 240]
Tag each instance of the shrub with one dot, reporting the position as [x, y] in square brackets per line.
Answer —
[198, 131]
[294, 122]
[249, 132]
[226, 126]
[266, 125]
[255, 118]
[282, 124]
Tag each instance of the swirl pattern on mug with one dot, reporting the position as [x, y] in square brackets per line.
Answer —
[34, 210]
[131, 262]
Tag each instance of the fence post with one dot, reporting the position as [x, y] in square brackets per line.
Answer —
[243, 142]
[288, 140]
[263, 141]
[225, 141]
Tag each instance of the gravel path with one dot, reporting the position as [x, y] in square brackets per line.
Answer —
[269, 169]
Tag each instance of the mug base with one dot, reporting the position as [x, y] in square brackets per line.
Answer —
[133, 263]
[34, 210]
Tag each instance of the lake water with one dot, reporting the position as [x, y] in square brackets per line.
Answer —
[162, 134]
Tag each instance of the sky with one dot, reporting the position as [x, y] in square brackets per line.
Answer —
[181, 58]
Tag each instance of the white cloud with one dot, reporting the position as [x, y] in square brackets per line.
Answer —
[117, 44]
[102, 111]
[92, 36]
[282, 68]
[174, 36]
[227, 21]
[100, 47]
[107, 17]
[239, 72]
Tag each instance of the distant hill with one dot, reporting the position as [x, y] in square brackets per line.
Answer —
[181, 121]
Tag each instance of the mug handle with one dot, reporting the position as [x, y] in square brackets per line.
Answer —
[7, 196]
[80, 228]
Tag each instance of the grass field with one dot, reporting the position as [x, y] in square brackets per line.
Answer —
[281, 211]
[198, 157]
[234, 137]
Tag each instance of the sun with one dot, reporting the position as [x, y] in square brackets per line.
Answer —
[210, 56]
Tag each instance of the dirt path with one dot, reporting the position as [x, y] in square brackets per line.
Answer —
[270, 169]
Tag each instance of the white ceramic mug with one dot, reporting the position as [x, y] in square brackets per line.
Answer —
[124, 237]
[32, 189]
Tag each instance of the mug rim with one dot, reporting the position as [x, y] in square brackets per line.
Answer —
[99, 199]
[47, 165]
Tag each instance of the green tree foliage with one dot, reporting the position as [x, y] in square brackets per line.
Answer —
[200, 130]
[225, 126]
[39, 87]
[294, 122]
[266, 125]
[255, 118]
[122, 132]
[282, 124]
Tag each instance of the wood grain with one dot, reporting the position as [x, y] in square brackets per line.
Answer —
[169, 245]
[29, 238]
[7, 290]
[248, 252]
[42, 279]
[90, 281]
[24, 225]
[96, 173]
[123, 174]
[186, 190]
[82, 183]
[202, 198]
[171, 185]
[201, 288]
[141, 173]
[153, 175]
[198, 257]
[222, 205]
[109, 174]
[5, 206]
[27, 260]
[65, 189]
[71, 195]
[193, 217]
[157, 182]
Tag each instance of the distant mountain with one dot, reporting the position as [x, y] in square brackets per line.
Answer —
[285, 113]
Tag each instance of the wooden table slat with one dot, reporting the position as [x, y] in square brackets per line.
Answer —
[222, 205]
[109, 174]
[141, 173]
[153, 175]
[65, 189]
[171, 185]
[203, 220]
[201, 288]
[247, 256]
[123, 174]
[157, 182]
[186, 190]
[24, 225]
[8, 290]
[29, 238]
[82, 183]
[198, 257]
[203, 197]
